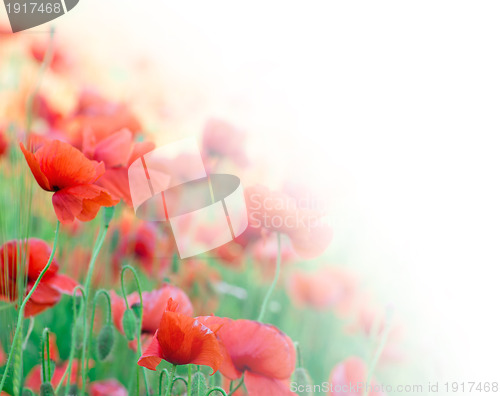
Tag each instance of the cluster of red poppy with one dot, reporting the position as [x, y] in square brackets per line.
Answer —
[81, 154]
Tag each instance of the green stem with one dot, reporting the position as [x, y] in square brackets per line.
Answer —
[20, 316]
[299, 355]
[160, 390]
[30, 330]
[139, 327]
[108, 320]
[73, 342]
[182, 380]
[45, 359]
[171, 380]
[275, 281]
[217, 389]
[97, 248]
[190, 373]
[237, 386]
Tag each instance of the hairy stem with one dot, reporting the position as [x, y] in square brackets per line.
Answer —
[139, 328]
[97, 248]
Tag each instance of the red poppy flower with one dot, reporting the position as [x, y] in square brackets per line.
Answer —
[264, 353]
[326, 288]
[110, 387]
[61, 168]
[351, 374]
[154, 304]
[99, 116]
[181, 340]
[145, 243]
[278, 212]
[117, 152]
[48, 292]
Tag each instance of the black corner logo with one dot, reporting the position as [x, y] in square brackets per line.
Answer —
[26, 14]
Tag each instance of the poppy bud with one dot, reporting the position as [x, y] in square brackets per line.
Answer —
[28, 392]
[46, 389]
[129, 323]
[105, 341]
[108, 215]
[198, 384]
[303, 380]
[79, 333]
[137, 310]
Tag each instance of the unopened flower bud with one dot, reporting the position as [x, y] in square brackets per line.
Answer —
[46, 389]
[105, 341]
[302, 378]
[129, 323]
[198, 384]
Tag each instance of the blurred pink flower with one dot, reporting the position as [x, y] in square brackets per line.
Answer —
[109, 387]
[325, 288]
[154, 303]
[117, 152]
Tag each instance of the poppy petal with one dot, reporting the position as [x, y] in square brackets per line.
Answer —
[259, 385]
[66, 206]
[227, 367]
[139, 150]
[151, 357]
[66, 166]
[40, 178]
[45, 294]
[32, 308]
[39, 254]
[116, 182]
[82, 202]
[259, 348]
[115, 149]
[185, 340]
[63, 283]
